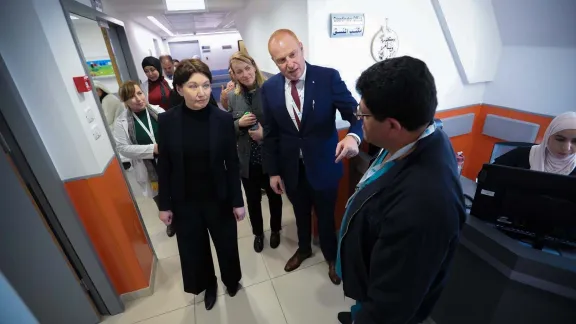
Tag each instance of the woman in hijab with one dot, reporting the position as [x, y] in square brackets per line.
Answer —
[111, 105]
[156, 88]
[135, 133]
[556, 154]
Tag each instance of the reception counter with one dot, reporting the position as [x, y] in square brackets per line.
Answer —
[497, 280]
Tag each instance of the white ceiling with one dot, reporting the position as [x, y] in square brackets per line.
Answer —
[218, 16]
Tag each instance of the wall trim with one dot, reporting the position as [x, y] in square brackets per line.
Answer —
[144, 292]
[94, 175]
[518, 110]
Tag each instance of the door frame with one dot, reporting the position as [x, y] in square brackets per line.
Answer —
[41, 171]
[119, 42]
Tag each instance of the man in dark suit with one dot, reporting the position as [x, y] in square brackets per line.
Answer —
[301, 152]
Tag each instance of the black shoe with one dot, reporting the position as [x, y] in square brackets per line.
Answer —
[259, 243]
[170, 231]
[274, 239]
[232, 291]
[345, 317]
[210, 296]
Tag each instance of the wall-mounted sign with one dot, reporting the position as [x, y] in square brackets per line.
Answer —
[385, 43]
[205, 49]
[346, 25]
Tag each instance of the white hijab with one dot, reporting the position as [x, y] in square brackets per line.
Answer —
[542, 160]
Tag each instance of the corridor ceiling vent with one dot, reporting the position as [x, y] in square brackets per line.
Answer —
[185, 5]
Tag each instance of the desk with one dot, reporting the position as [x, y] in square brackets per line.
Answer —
[494, 279]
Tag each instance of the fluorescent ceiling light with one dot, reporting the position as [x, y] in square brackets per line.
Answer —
[185, 5]
[73, 17]
[157, 23]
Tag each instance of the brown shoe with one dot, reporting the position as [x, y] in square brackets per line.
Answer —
[332, 273]
[296, 260]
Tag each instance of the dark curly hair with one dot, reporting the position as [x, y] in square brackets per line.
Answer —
[401, 88]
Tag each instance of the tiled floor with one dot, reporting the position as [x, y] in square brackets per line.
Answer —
[269, 296]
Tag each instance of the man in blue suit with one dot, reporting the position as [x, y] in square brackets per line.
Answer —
[301, 152]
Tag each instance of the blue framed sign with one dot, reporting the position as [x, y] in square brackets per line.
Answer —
[346, 25]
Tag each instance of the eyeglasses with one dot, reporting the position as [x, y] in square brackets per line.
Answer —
[360, 116]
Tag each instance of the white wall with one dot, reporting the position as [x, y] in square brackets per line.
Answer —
[94, 48]
[42, 59]
[536, 79]
[140, 38]
[472, 35]
[218, 58]
[419, 33]
[260, 18]
[537, 71]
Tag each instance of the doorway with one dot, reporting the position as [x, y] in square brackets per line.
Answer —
[100, 37]
[36, 256]
[184, 50]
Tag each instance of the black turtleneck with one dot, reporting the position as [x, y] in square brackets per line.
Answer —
[199, 183]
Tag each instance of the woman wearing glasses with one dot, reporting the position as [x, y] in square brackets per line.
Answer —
[199, 177]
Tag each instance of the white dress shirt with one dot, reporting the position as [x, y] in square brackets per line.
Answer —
[291, 105]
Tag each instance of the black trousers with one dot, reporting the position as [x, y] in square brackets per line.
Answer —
[303, 199]
[253, 185]
[193, 221]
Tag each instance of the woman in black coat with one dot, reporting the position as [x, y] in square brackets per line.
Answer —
[199, 177]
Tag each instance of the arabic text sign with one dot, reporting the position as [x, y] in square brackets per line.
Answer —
[346, 25]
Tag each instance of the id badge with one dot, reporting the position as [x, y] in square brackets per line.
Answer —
[154, 185]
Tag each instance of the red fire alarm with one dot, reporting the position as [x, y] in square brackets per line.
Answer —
[82, 84]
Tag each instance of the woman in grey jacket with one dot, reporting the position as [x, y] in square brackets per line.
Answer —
[246, 106]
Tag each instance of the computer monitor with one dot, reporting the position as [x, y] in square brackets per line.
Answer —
[505, 147]
[537, 206]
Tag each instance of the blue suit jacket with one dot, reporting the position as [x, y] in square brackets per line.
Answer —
[324, 92]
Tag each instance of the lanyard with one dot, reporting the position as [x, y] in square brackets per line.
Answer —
[148, 131]
[379, 162]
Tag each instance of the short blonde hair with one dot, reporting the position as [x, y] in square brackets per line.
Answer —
[245, 58]
[127, 90]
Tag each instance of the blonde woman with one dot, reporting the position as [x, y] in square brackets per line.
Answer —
[246, 107]
[136, 133]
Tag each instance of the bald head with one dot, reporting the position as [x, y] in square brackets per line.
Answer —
[288, 53]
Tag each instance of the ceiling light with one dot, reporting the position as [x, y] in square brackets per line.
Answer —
[185, 5]
[157, 23]
[73, 17]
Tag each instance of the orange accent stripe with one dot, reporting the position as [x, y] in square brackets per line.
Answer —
[110, 218]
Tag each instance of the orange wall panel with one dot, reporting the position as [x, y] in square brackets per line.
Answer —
[477, 147]
[463, 143]
[111, 220]
[483, 144]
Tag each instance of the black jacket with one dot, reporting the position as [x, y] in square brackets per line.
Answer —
[225, 165]
[519, 158]
[403, 229]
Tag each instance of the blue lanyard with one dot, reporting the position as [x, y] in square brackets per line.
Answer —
[379, 166]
